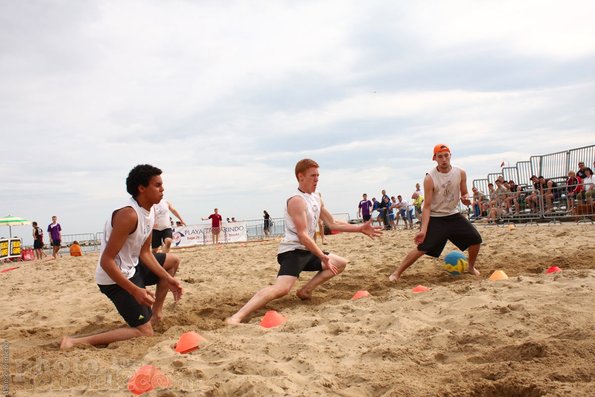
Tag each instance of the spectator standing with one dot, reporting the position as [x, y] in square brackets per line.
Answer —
[364, 208]
[38, 241]
[383, 207]
[406, 211]
[418, 200]
[375, 208]
[55, 232]
[267, 224]
[216, 220]
[394, 218]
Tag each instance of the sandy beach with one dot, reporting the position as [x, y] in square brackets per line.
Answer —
[530, 335]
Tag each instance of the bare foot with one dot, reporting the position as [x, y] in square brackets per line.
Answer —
[393, 278]
[66, 343]
[233, 321]
[474, 271]
[303, 295]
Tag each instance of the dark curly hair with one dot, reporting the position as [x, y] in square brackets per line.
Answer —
[140, 176]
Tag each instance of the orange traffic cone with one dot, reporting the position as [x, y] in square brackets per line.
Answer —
[420, 288]
[498, 275]
[360, 294]
[188, 342]
[272, 319]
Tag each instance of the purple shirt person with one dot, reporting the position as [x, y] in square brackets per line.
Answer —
[364, 208]
[55, 232]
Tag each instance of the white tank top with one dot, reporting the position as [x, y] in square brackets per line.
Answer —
[162, 221]
[291, 241]
[447, 192]
[127, 258]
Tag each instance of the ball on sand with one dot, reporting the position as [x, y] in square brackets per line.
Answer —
[455, 263]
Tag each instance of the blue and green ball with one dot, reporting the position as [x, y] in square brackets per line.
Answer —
[455, 263]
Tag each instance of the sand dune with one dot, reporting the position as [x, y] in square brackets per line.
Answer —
[530, 335]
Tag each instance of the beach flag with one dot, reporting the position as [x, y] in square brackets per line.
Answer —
[502, 164]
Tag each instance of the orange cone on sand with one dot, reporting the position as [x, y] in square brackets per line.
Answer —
[360, 294]
[498, 275]
[420, 288]
[272, 319]
[188, 342]
[553, 269]
[146, 378]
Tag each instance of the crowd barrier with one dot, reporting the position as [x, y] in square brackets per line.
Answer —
[532, 205]
[91, 242]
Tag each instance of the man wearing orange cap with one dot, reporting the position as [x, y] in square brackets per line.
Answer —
[441, 220]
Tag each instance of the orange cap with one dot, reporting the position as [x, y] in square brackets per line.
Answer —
[440, 148]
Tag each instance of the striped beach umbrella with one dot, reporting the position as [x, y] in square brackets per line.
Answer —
[13, 221]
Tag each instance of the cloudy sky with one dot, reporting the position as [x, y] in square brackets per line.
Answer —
[226, 96]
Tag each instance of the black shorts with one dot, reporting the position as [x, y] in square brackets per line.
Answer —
[455, 228]
[297, 261]
[366, 217]
[133, 312]
[159, 236]
[37, 244]
[56, 243]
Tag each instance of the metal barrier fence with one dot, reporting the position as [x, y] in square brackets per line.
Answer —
[90, 242]
[553, 166]
[560, 203]
[550, 166]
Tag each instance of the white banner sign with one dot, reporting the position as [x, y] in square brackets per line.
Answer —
[190, 235]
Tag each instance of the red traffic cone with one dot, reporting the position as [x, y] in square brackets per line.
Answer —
[360, 294]
[420, 288]
[553, 269]
[272, 319]
[188, 342]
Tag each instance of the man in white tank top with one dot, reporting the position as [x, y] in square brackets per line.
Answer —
[126, 264]
[162, 231]
[441, 221]
[298, 251]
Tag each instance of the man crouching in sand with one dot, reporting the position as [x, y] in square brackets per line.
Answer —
[441, 221]
[126, 263]
[298, 251]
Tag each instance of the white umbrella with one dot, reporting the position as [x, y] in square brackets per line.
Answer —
[11, 221]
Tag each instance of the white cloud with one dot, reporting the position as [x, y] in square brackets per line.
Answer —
[557, 29]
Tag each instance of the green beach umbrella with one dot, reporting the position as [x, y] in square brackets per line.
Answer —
[11, 221]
